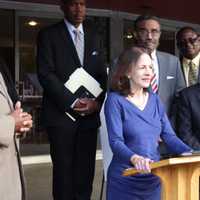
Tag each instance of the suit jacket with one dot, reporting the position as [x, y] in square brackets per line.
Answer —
[11, 181]
[188, 116]
[57, 59]
[183, 72]
[8, 81]
[171, 80]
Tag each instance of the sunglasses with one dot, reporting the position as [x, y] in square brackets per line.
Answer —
[189, 40]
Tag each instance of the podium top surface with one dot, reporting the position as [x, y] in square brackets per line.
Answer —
[166, 162]
[175, 161]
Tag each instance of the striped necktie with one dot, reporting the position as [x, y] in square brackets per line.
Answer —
[153, 83]
[193, 73]
[79, 44]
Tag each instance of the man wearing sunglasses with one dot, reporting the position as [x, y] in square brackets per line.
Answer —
[188, 116]
[188, 43]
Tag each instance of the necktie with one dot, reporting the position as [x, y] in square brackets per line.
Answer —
[153, 83]
[79, 44]
[193, 73]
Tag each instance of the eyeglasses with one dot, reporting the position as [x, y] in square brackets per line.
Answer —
[188, 40]
[153, 32]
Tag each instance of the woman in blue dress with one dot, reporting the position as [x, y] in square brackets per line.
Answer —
[136, 120]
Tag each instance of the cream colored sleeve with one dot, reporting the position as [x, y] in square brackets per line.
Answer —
[7, 127]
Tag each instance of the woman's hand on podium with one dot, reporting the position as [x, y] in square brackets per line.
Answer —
[141, 163]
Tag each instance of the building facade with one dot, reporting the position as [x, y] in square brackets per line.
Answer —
[21, 20]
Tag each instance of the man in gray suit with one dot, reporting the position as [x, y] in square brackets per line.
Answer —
[168, 75]
[188, 43]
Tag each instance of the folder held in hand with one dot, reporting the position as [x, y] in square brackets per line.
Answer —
[79, 78]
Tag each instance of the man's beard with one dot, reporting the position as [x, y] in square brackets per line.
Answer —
[145, 45]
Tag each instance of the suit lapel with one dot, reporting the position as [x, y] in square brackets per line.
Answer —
[69, 42]
[199, 75]
[88, 46]
[4, 92]
[181, 61]
[198, 79]
[162, 72]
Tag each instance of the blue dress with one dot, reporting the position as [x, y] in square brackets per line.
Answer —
[134, 131]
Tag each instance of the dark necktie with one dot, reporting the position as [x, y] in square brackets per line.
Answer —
[193, 74]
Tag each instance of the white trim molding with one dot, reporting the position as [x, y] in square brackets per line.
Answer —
[29, 6]
[40, 159]
[49, 8]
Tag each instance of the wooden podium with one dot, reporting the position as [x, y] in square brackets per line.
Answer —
[180, 177]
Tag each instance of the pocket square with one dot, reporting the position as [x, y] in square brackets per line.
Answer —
[170, 77]
[94, 53]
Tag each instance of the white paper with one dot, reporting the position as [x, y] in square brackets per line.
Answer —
[79, 78]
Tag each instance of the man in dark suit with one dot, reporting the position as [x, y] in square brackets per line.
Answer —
[188, 117]
[169, 77]
[71, 120]
[188, 43]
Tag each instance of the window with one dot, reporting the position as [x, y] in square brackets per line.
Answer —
[167, 39]
[30, 91]
[7, 38]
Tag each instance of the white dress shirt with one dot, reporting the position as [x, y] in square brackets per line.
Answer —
[155, 65]
[72, 28]
[186, 67]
